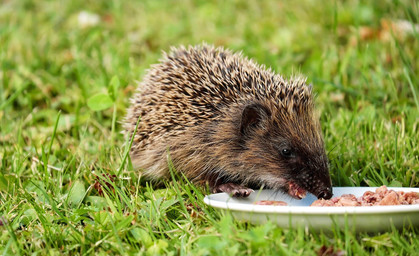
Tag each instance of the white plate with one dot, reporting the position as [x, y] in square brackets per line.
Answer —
[299, 212]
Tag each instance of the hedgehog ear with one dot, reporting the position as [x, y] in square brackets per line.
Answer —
[252, 116]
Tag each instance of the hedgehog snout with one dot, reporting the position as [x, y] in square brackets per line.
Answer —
[326, 193]
[317, 182]
[323, 186]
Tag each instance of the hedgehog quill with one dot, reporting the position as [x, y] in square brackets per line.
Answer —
[229, 123]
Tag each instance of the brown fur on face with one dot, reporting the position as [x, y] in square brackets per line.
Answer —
[225, 119]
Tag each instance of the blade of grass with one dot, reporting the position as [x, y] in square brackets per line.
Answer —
[13, 96]
[128, 148]
[406, 74]
[12, 238]
[46, 155]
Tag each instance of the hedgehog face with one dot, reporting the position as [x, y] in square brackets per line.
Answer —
[304, 166]
[285, 152]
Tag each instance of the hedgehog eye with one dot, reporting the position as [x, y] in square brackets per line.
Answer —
[286, 152]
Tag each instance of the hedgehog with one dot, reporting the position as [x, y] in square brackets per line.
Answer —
[227, 122]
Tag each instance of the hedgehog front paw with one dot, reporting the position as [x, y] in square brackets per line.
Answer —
[233, 190]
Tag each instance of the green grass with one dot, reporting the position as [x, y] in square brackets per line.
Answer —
[57, 155]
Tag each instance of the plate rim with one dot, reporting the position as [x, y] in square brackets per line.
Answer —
[316, 210]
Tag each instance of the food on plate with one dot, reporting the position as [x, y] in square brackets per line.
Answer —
[269, 202]
[381, 196]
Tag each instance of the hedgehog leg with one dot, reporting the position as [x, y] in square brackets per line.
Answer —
[232, 189]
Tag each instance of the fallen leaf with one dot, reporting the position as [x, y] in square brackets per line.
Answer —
[329, 251]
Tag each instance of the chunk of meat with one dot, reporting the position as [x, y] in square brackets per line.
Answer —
[348, 201]
[296, 191]
[392, 198]
[268, 202]
[323, 202]
[411, 197]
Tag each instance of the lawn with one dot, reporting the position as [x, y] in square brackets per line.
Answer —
[68, 69]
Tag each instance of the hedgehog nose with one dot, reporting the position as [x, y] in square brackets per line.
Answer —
[325, 194]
